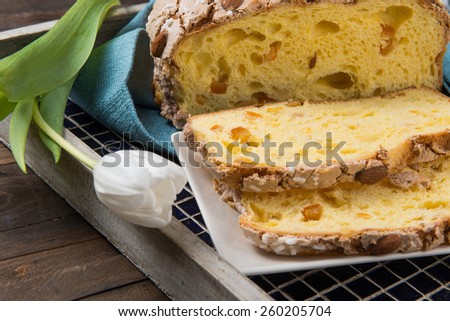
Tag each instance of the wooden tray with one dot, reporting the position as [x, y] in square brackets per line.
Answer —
[173, 257]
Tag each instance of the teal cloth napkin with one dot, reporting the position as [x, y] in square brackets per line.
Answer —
[114, 87]
[446, 72]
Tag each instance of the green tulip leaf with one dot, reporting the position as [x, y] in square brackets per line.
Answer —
[57, 56]
[18, 131]
[6, 107]
[52, 107]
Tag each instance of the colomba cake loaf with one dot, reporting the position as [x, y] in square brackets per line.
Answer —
[294, 144]
[350, 218]
[214, 55]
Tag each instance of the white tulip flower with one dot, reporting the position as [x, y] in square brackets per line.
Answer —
[139, 186]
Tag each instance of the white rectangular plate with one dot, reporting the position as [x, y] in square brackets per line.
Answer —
[222, 224]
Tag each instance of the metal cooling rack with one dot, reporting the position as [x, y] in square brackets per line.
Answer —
[411, 279]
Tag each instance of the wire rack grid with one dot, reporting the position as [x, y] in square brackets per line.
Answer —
[426, 278]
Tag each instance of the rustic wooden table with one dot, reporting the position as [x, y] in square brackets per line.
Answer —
[49, 252]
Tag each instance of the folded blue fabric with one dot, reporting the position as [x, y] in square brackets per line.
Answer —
[446, 72]
[114, 87]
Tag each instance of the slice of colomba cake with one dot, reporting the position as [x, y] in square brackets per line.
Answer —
[309, 145]
[350, 218]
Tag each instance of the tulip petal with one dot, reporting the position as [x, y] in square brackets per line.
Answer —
[148, 219]
[120, 179]
[151, 199]
[116, 202]
[178, 177]
[139, 186]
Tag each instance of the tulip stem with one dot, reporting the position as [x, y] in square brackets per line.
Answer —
[58, 139]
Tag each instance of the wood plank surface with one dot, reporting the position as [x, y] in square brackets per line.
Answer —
[45, 235]
[49, 252]
[5, 155]
[26, 199]
[13, 40]
[19, 13]
[66, 273]
[142, 291]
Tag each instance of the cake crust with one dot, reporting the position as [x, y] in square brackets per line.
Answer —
[172, 20]
[375, 242]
